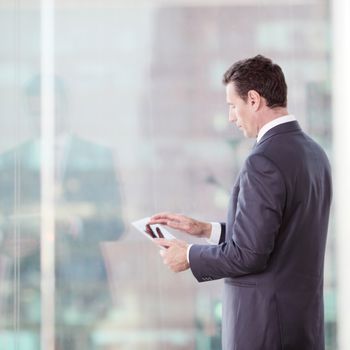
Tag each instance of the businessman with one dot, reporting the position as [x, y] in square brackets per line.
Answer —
[271, 249]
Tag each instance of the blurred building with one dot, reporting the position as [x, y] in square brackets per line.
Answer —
[143, 84]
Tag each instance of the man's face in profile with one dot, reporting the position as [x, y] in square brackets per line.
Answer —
[240, 112]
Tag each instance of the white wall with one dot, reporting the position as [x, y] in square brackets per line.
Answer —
[341, 162]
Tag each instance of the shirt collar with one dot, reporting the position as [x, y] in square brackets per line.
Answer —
[268, 126]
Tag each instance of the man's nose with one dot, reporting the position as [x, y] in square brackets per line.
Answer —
[232, 116]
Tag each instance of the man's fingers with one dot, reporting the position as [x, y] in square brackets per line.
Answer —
[163, 242]
[157, 220]
[179, 226]
[182, 225]
[167, 217]
[160, 216]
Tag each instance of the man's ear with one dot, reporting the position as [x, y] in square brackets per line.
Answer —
[254, 100]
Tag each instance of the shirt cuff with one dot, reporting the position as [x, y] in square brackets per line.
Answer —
[188, 252]
[213, 239]
[215, 233]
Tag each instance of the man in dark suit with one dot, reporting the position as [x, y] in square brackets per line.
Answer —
[271, 249]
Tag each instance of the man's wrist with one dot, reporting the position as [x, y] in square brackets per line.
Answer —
[207, 230]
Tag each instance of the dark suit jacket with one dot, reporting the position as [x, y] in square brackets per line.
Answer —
[272, 254]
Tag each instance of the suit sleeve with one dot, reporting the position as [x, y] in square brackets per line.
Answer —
[260, 205]
[223, 232]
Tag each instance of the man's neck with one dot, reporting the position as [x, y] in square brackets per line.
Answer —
[270, 114]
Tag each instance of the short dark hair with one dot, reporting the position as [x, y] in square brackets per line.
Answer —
[258, 73]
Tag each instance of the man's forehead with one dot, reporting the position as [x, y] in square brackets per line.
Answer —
[230, 87]
[231, 84]
[230, 91]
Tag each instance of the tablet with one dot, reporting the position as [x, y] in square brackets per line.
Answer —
[152, 231]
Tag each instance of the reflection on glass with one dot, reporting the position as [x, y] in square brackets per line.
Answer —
[88, 212]
[141, 84]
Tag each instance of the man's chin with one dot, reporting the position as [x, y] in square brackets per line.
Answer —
[248, 135]
[245, 133]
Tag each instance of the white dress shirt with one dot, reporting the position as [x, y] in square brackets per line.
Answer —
[268, 126]
[215, 226]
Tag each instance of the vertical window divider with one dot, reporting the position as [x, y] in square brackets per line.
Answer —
[47, 235]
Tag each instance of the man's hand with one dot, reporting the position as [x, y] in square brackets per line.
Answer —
[175, 256]
[183, 223]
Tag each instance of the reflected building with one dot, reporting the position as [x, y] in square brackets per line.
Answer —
[88, 212]
[146, 80]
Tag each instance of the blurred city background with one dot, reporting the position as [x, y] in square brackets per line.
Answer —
[140, 126]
